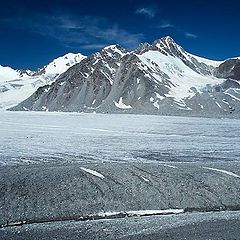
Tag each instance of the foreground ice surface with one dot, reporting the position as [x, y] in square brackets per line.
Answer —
[56, 167]
[194, 226]
[34, 137]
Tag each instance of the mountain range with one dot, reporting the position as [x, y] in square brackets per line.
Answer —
[158, 78]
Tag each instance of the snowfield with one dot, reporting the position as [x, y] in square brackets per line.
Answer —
[35, 137]
[96, 176]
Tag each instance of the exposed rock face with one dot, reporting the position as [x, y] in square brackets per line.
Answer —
[84, 86]
[229, 69]
[158, 78]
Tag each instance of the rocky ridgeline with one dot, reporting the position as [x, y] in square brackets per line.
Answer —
[158, 78]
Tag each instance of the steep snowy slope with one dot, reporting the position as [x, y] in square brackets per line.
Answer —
[182, 77]
[7, 73]
[201, 65]
[61, 64]
[17, 85]
[158, 78]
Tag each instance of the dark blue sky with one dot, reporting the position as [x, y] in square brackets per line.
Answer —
[35, 32]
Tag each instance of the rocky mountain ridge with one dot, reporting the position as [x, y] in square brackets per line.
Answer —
[158, 78]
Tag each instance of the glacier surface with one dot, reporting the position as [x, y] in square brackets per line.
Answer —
[35, 137]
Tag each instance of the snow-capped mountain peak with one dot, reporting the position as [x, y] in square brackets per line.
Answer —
[112, 47]
[164, 41]
[61, 64]
[115, 49]
[17, 85]
[168, 45]
[7, 73]
[157, 78]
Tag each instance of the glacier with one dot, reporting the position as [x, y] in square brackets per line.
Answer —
[62, 173]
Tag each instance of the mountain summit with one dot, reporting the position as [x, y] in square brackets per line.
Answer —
[157, 78]
[17, 85]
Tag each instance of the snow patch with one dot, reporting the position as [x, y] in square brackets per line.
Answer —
[159, 96]
[140, 213]
[155, 104]
[145, 179]
[154, 212]
[218, 105]
[232, 96]
[170, 166]
[223, 171]
[121, 105]
[94, 173]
